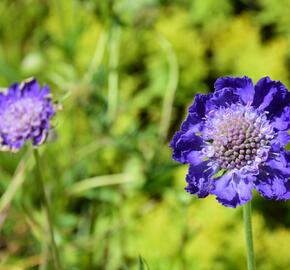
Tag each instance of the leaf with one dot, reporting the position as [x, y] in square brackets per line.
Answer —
[16, 182]
[99, 181]
[142, 264]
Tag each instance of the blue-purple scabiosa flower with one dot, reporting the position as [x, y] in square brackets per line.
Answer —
[25, 113]
[234, 140]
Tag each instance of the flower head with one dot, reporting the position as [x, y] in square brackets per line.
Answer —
[234, 141]
[25, 113]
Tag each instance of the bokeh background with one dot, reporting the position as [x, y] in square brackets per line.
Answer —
[125, 72]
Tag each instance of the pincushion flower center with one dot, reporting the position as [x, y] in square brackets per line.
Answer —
[23, 113]
[239, 137]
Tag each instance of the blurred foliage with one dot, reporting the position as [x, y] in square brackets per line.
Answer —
[126, 71]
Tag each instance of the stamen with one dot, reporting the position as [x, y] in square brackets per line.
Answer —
[238, 133]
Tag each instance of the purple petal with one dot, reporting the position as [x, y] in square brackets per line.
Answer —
[271, 96]
[199, 179]
[273, 180]
[192, 122]
[16, 145]
[199, 104]
[187, 147]
[233, 189]
[196, 113]
[185, 144]
[45, 91]
[223, 98]
[13, 90]
[281, 162]
[2, 99]
[282, 122]
[242, 86]
[39, 139]
[280, 140]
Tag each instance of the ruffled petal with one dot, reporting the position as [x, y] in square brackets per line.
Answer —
[193, 122]
[196, 114]
[39, 139]
[271, 96]
[29, 87]
[2, 99]
[242, 86]
[13, 90]
[187, 147]
[281, 162]
[280, 140]
[282, 122]
[45, 92]
[199, 179]
[273, 181]
[223, 98]
[199, 104]
[233, 189]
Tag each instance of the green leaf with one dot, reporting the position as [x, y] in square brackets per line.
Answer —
[142, 264]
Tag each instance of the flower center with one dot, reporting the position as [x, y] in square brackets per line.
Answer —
[21, 115]
[239, 136]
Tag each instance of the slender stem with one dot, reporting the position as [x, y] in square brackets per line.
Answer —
[113, 78]
[249, 236]
[173, 76]
[97, 57]
[40, 183]
[93, 213]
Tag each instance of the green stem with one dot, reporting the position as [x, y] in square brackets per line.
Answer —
[249, 236]
[113, 78]
[40, 183]
[93, 213]
[173, 74]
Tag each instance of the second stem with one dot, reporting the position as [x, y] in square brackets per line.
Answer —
[40, 183]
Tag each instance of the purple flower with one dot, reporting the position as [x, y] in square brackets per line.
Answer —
[25, 113]
[234, 141]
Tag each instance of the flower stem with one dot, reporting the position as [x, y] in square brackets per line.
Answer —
[40, 183]
[249, 236]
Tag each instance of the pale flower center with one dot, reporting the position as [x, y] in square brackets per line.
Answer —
[238, 136]
[21, 116]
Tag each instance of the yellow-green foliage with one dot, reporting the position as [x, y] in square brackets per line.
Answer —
[239, 47]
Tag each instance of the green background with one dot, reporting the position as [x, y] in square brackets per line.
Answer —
[125, 72]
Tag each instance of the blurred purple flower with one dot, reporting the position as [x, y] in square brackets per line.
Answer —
[234, 141]
[25, 113]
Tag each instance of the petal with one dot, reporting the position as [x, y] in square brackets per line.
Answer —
[45, 92]
[199, 104]
[271, 96]
[193, 122]
[280, 140]
[16, 145]
[233, 189]
[196, 113]
[199, 179]
[281, 162]
[223, 98]
[282, 122]
[2, 100]
[187, 147]
[30, 87]
[13, 90]
[273, 181]
[242, 86]
[185, 144]
[39, 139]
